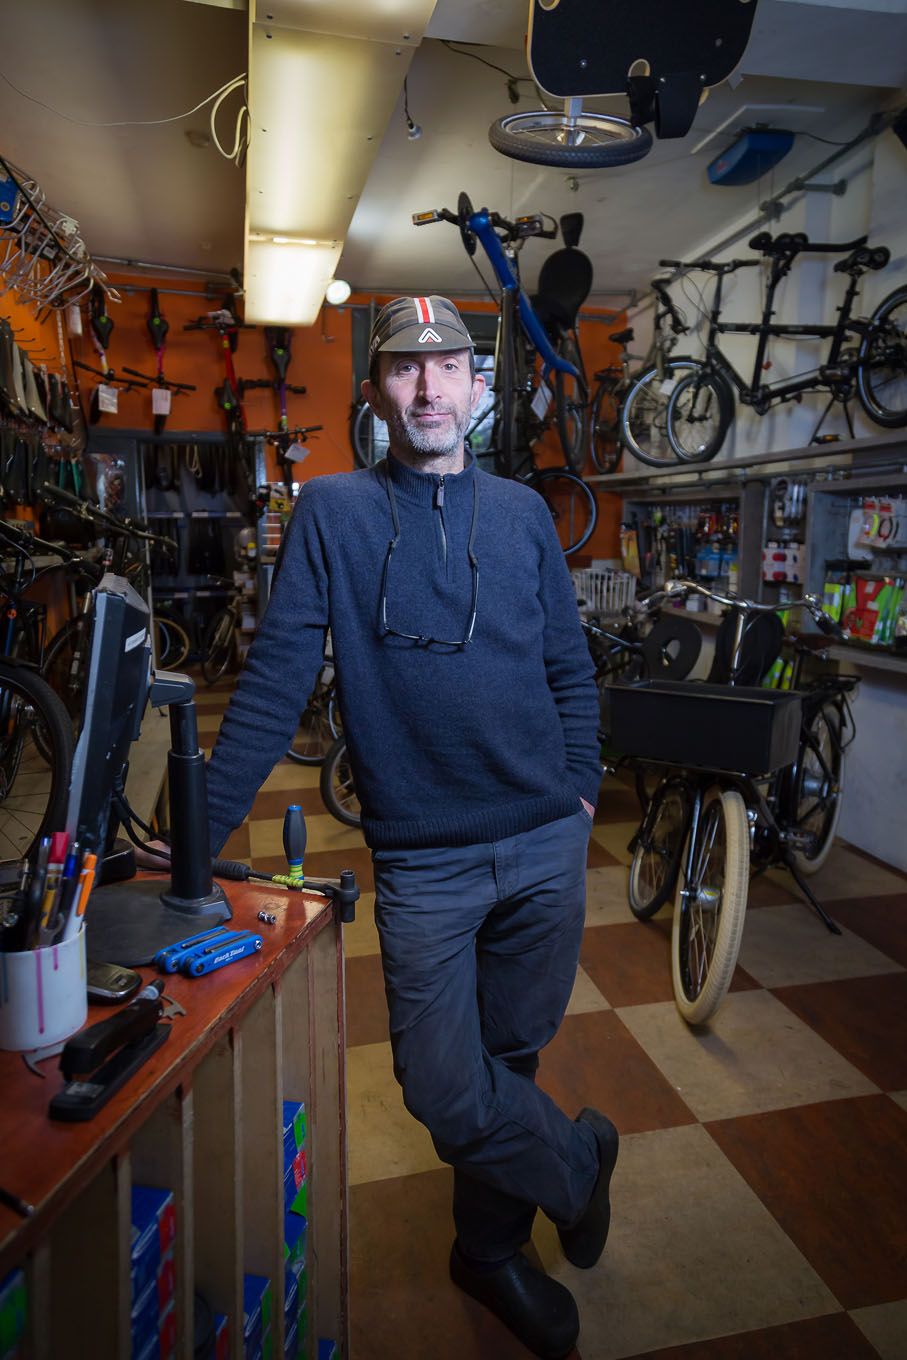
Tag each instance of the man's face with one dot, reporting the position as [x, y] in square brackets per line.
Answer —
[427, 400]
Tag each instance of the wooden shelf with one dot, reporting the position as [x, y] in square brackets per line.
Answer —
[202, 1117]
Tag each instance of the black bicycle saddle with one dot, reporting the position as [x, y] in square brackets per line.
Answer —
[565, 280]
[762, 644]
[623, 337]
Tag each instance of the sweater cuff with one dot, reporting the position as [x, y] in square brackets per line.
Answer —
[587, 783]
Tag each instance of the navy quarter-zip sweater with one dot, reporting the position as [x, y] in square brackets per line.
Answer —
[448, 745]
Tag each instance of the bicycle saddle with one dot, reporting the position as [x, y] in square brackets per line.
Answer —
[762, 644]
[864, 257]
[623, 337]
[565, 280]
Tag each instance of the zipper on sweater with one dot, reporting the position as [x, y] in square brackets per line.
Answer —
[439, 503]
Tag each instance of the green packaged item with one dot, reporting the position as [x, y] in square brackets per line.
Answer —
[13, 1310]
[833, 599]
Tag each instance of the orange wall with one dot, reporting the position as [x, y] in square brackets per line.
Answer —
[322, 362]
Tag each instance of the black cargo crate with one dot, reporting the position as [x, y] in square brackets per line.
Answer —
[712, 727]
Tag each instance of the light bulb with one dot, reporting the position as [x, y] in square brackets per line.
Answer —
[415, 131]
[337, 291]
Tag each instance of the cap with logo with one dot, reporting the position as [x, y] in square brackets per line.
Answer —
[411, 324]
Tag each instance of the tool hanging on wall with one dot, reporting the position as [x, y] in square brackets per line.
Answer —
[163, 388]
[229, 395]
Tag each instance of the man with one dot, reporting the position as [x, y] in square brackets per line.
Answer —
[470, 712]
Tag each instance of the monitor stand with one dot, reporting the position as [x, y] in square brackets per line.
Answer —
[128, 922]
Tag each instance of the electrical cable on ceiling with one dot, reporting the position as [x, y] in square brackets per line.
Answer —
[512, 80]
[241, 141]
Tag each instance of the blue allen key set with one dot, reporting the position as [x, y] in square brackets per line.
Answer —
[212, 949]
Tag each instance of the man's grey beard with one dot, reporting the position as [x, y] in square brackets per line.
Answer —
[436, 443]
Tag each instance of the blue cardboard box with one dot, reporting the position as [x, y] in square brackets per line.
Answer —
[293, 1127]
[153, 1233]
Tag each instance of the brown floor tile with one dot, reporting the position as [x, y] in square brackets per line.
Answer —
[366, 1003]
[630, 963]
[863, 1018]
[404, 1303]
[834, 1176]
[273, 802]
[771, 892]
[833, 1338]
[617, 803]
[325, 864]
[594, 1060]
[880, 920]
[598, 857]
[206, 741]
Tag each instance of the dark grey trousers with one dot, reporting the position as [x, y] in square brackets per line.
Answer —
[480, 946]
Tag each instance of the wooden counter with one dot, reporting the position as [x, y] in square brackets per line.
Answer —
[203, 1117]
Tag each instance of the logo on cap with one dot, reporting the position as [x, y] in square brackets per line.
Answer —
[424, 309]
[429, 334]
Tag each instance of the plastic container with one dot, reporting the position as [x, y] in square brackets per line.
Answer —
[43, 995]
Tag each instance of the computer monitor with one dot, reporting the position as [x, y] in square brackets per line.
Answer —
[128, 922]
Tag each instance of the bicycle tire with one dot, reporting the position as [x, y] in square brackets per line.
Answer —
[319, 725]
[604, 431]
[336, 785]
[219, 646]
[710, 404]
[534, 137]
[708, 924]
[818, 776]
[504, 435]
[571, 405]
[172, 648]
[38, 806]
[886, 339]
[66, 663]
[644, 413]
[368, 435]
[659, 845]
[571, 503]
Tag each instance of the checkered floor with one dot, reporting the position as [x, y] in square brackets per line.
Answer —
[759, 1199]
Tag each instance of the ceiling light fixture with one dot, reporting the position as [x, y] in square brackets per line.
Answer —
[338, 290]
[414, 131]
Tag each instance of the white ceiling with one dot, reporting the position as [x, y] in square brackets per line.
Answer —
[145, 193]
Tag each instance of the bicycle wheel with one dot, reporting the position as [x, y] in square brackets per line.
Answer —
[65, 665]
[368, 435]
[593, 142]
[219, 646]
[34, 770]
[644, 414]
[700, 411]
[171, 642]
[817, 789]
[604, 440]
[571, 406]
[656, 858]
[319, 726]
[710, 905]
[336, 784]
[882, 358]
[571, 503]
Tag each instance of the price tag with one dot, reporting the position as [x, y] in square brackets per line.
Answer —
[667, 387]
[541, 401]
[296, 453]
[107, 399]
[160, 401]
[74, 319]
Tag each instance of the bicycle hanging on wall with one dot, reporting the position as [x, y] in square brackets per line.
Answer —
[525, 360]
[866, 356]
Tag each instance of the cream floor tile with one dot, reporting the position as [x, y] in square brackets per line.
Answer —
[361, 936]
[900, 1097]
[692, 1253]
[383, 1138]
[615, 836]
[755, 1055]
[845, 874]
[324, 832]
[585, 996]
[606, 896]
[885, 1327]
[789, 945]
[293, 777]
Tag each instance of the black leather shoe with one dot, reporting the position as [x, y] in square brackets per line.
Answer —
[584, 1242]
[540, 1312]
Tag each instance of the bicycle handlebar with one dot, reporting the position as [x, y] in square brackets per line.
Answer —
[713, 266]
[127, 528]
[681, 587]
[530, 225]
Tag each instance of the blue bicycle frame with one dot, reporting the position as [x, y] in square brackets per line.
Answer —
[480, 223]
